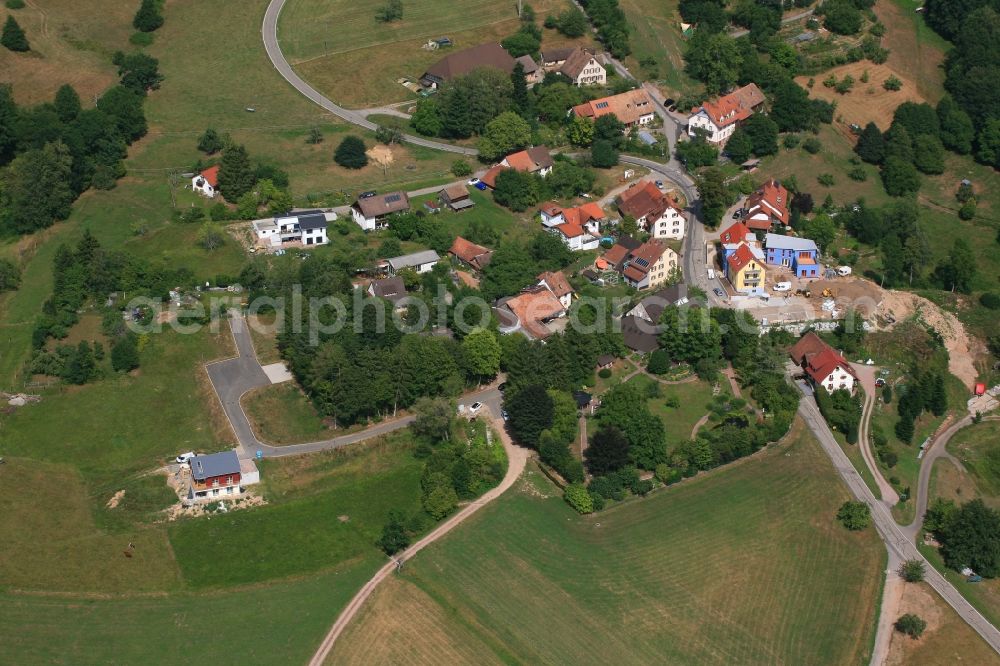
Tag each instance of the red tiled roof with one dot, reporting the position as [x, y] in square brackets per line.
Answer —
[534, 306]
[772, 199]
[735, 234]
[642, 200]
[633, 273]
[469, 252]
[530, 160]
[556, 282]
[490, 177]
[806, 347]
[628, 107]
[569, 229]
[822, 364]
[211, 175]
[737, 105]
[741, 257]
[616, 254]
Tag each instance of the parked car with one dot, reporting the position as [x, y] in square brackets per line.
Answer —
[843, 271]
[480, 185]
[185, 458]
[880, 382]
[718, 292]
[783, 286]
[659, 184]
[475, 407]
[504, 414]
[738, 214]
[473, 181]
[367, 195]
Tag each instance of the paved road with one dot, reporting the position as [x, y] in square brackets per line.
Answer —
[897, 542]
[936, 450]
[234, 377]
[866, 374]
[269, 31]
[517, 457]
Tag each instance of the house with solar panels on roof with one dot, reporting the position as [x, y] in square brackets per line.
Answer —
[294, 229]
[219, 476]
[372, 212]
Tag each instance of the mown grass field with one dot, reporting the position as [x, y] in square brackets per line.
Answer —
[282, 414]
[694, 398]
[656, 33]
[743, 565]
[341, 50]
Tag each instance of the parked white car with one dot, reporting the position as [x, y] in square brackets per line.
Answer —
[783, 286]
[475, 407]
[843, 271]
[185, 458]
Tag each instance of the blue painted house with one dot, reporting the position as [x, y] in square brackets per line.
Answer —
[799, 254]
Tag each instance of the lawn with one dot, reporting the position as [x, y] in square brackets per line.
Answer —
[264, 624]
[978, 447]
[282, 414]
[337, 44]
[915, 50]
[694, 398]
[754, 547]
[656, 33]
[333, 519]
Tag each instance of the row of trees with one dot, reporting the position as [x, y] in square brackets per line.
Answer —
[924, 392]
[972, 67]
[51, 153]
[612, 26]
[969, 535]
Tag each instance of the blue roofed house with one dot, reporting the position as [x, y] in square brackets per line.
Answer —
[799, 254]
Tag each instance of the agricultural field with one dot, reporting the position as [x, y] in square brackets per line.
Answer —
[867, 101]
[337, 44]
[656, 33]
[915, 50]
[799, 589]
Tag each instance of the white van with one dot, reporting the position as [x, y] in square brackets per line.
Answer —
[711, 273]
[843, 271]
[783, 286]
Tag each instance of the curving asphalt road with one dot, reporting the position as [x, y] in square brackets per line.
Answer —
[234, 377]
[269, 31]
[898, 543]
[936, 450]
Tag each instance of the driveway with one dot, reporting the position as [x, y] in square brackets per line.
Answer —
[233, 378]
[867, 375]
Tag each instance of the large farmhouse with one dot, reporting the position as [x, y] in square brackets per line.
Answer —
[718, 119]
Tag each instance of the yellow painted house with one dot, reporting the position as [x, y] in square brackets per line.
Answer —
[745, 270]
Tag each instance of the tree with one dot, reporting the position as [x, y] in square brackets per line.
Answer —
[505, 134]
[482, 353]
[520, 98]
[603, 154]
[608, 451]
[81, 367]
[138, 72]
[394, 538]
[521, 43]
[970, 537]
[236, 175]
[531, 411]
[609, 128]
[958, 270]
[917, 118]
[13, 38]
[624, 407]
[698, 152]
[388, 135]
[10, 276]
[911, 625]
[763, 133]
[516, 190]
[900, 177]
[841, 17]
[580, 131]
[391, 11]
[125, 107]
[210, 142]
[689, 334]
[714, 195]
[928, 154]
[912, 571]
[988, 143]
[67, 103]
[854, 515]
[821, 229]
[148, 18]
[715, 60]
[572, 23]
[350, 154]
[871, 145]
[35, 189]
[211, 236]
[440, 501]
[427, 118]
[739, 148]
[124, 354]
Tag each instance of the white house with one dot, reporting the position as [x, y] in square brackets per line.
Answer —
[372, 212]
[307, 227]
[206, 182]
[653, 210]
[421, 262]
[582, 68]
[720, 118]
[824, 365]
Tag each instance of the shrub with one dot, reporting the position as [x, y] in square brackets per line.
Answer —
[315, 136]
[844, 85]
[13, 37]
[990, 300]
[576, 496]
[812, 145]
[394, 538]
[912, 571]
[825, 179]
[858, 174]
[968, 210]
[892, 83]
[854, 515]
[148, 18]
[390, 11]
[911, 625]
[14, 4]
[604, 373]
[388, 135]
[791, 140]
[659, 362]
[141, 38]
[461, 168]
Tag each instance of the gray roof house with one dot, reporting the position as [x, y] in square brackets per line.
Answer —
[391, 289]
[421, 262]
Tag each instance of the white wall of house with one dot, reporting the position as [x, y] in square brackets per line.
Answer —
[552, 220]
[592, 74]
[701, 120]
[839, 379]
[201, 186]
[368, 224]
[670, 225]
[315, 236]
